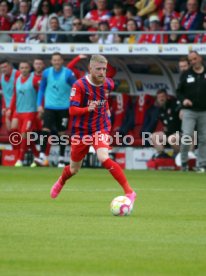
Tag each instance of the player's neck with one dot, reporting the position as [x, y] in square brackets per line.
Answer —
[92, 81]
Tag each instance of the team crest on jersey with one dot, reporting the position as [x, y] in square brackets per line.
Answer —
[73, 92]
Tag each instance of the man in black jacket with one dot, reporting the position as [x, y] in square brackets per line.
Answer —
[191, 92]
[166, 110]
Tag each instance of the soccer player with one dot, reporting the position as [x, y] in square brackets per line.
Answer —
[24, 102]
[8, 78]
[55, 90]
[88, 110]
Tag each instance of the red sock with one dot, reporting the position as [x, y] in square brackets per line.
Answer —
[22, 149]
[118, 174]
[66, 174]
[48, 146]
[34, 149]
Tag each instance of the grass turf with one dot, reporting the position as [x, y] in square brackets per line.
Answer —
[76, 234]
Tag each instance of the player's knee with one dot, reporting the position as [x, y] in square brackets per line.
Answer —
[102, 157]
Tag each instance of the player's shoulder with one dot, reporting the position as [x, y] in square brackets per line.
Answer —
[109, 82]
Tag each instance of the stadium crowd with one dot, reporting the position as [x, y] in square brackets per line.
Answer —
[101, 15]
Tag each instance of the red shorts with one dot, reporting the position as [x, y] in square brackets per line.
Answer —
[26, 121]
[80, 147]
[12, 116]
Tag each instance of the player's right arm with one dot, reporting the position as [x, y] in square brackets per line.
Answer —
[76, 108]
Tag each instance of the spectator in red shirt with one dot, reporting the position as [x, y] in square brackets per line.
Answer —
[18, 26]
[92, 18]
[175, 37]
[201, 38]
[5, 21]
[5, 17]
[167, 14]
[154, 25]
[119, 20]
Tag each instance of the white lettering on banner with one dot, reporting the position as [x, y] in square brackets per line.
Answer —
[168, 49]
[140, 49]
[82, 49]
[199, 49]
[9, 158]
[155, 86]
[110, 49]
[25, 48]
[53, 49]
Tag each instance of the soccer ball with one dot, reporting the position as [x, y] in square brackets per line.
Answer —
[121, 206]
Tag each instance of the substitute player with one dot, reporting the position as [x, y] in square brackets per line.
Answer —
[24, 102]
[7, 80]
[55, 90]
[88, 110]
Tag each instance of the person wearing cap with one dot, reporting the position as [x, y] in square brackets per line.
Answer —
[151, 37]
[18, 26]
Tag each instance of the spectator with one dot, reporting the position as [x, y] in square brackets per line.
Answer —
[67, 18]
[191, 93]
[42, 21]
[192, 19]
[102, 38]
[131, 13]
[77, 38]
[167, 14]
[154, 26]
[5, 21]
[18, 26]
[35, 6]
[54, 27]
[131, 27]
[29, 19]
[119, 20]
[175, 37]
[5, 17]
[166, 111]
[201, 38]
[183, 64]
[92, 18]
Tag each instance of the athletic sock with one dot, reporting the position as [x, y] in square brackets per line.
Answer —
[66, 174]
[22, 149]
[118, 174]
[62, 150]
[45, 141]
[34, 149]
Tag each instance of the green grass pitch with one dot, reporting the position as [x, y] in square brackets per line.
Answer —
[77, 235]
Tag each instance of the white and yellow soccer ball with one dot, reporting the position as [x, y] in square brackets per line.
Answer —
[121, 206]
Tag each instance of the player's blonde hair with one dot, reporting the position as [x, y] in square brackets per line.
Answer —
[98, 58]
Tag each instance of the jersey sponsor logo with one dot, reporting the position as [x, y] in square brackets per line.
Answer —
[98, 103]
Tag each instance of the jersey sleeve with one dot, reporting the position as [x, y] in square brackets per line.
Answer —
[76, 95]
[70, 77]
[42, 88]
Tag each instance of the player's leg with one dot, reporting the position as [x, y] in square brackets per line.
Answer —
[49, 120]
[27, 125]
[174, 142]
[62, 126]
[188, 126]
[116, 171]
[78, 153]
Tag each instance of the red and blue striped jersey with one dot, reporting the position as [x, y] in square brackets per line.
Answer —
[83, 93]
